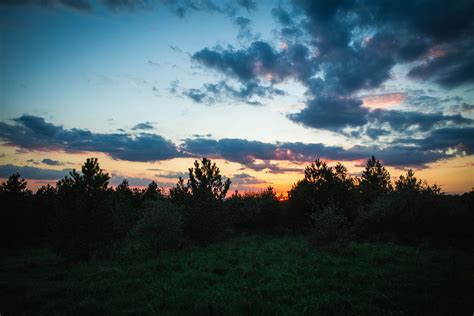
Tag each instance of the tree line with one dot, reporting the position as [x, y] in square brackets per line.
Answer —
[83, 217]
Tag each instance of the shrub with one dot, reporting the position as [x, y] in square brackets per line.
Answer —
[161, 226]
[205, 221]
[256, 212]
[329, 225]
[322, 187]
[410, 216]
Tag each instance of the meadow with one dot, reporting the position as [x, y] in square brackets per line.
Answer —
[258, 275]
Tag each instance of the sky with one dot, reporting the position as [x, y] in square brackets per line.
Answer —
[261, 87]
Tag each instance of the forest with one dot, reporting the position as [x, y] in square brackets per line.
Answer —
[84, 222]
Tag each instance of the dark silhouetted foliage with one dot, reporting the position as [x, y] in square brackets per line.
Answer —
[162, 226]
[374, 181]
[417, 212]
[256, 212]
[202, 197]
[83, 219]
[322, 186]
[17, 218]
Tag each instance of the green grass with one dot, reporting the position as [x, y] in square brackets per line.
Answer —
[247, 275]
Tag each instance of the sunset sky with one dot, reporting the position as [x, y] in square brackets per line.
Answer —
[262, 87]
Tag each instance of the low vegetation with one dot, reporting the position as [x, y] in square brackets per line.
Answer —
[244, 276]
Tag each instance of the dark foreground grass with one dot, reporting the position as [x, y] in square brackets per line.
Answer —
[248, 275]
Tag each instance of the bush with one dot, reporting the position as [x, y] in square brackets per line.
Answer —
[124, 214]
[161, 226]
[410, 216]
[205, 221]
[256, 212]
[329, 225]
[322, 187]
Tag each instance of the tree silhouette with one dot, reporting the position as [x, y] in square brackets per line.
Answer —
[123, 187]
[408, 182]
[17, 225]
[202, 196]
[83, 219]
[92, 180]
[15, 185]
[205, 181]
[322, 186]
[375, 180]
[152, 192]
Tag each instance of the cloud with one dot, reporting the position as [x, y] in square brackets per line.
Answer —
[249, 5]
[128, 5]
[116, 179]
[34, 133]
[178, 7]
[52, 162]
[403, 120]
[447, 138]
[33, 173]
[173, 175]
[332, 113]
[258, 61]
[245, 31]
[249, 153]
[375, 133]
[454, 67]
[243, 180]
[83, 6]
[345, 47]
[211, 93]
[337, 113]
[143, 126]
[181, 7]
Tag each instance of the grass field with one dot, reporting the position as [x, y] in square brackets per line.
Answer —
[246, 275]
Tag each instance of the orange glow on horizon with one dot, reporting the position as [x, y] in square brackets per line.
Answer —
[454, 175]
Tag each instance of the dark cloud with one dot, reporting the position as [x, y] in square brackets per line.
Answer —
[249, 152]
[76, 5]
[181, 7]
[245, 31]
[249, 5]
[116, 179]
[34, 133]
[211, 93]
[289, 27]
[129, 5]
[258, 61]
[337, 113]
[143, 126]
[332, 113]
[237, 150]
[403, 120]
[173, 175]
[375, 133]
[454, 66]
[52, 162]
[178, 7]
[33, 173]
[447, 138]
[353, 45]
[245, 180]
